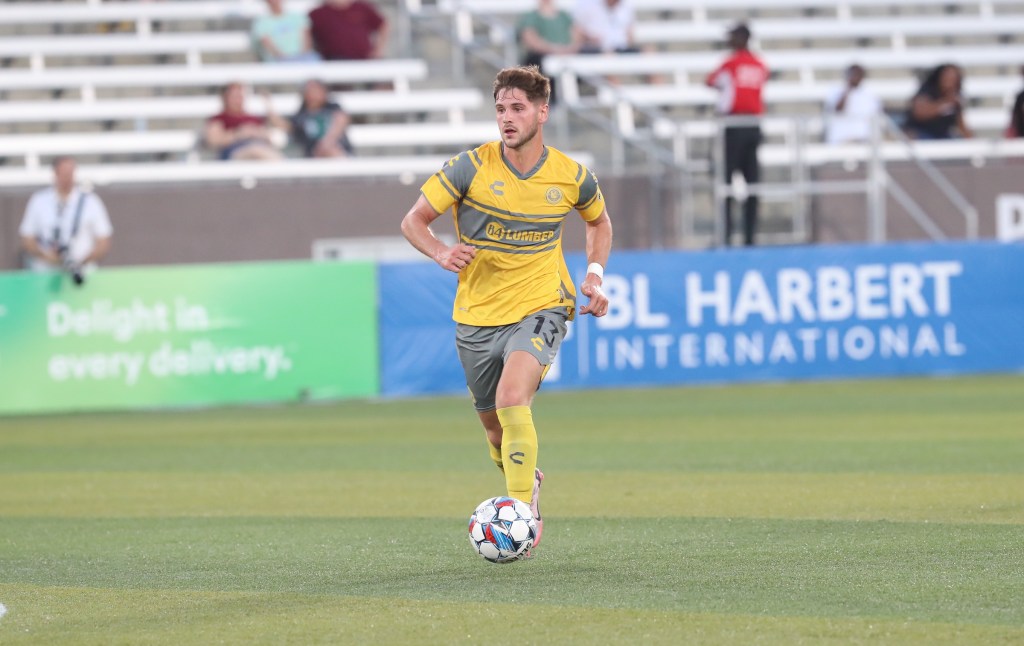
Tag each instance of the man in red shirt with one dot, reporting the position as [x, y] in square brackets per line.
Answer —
[740, 80]
[348, 30]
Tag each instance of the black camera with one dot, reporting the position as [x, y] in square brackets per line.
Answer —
[70, 266]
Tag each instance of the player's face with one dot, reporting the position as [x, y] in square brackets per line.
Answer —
[519, 119]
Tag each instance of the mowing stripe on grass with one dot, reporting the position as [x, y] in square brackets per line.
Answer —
[99, 616]
[980, 498]
[968, 573]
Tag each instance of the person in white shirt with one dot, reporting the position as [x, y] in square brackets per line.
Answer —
[607, 25]
[65, 227]
[850, 108]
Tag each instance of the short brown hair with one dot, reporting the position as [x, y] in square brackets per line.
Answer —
[526, 78]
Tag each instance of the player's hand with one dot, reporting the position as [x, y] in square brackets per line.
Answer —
[598, 305]
[456, 258]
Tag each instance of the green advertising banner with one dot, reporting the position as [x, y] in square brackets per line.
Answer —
[188, 336]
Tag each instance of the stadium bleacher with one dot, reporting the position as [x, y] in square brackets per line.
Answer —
[134, 80]
[451, 102]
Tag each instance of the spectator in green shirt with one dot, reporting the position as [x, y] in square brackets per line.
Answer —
[283, 36]
[547, 30]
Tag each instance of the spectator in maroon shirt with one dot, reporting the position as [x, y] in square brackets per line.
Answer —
[236, 134]
[740, 80]
[348, 30]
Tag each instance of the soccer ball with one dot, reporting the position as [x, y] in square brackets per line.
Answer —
[502, 529]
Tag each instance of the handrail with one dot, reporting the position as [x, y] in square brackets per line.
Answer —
[935, 175]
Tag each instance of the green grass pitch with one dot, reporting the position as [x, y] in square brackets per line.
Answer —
[874, 512]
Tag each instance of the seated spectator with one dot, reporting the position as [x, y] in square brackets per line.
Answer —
[547, 30]
[281, 36]
[606, 26]
[937, 110]
[348, 30]
[319, 125]
[236, 134]
[1016, 128]
[850, 109]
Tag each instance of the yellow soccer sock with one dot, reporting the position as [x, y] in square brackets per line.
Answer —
[495, 455]
[518, 450]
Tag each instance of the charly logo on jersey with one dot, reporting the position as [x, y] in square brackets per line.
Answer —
[499, 233]
[497, 186]
[553, 195]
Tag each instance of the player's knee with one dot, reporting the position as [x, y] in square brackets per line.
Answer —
[512, 396]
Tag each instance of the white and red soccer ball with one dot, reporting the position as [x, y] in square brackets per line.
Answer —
[502, 529]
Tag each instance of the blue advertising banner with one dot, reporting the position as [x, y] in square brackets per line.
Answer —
[417, 331]
[757, 314]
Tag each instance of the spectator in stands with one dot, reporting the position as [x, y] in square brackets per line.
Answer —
[236, 134]
[606, 26]
[283, 36]
[65, 227]
[850, 109]
[547, 30]
[740, 80]
[320, 124]
[1016, 128]
[348, 30]
[937, 110]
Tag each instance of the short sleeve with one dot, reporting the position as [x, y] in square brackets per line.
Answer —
[526, 20]
[591, 201]
[98, 218]
[582, 11]
[375, 20]
[832, 98]
[30, 222]
[450, 184]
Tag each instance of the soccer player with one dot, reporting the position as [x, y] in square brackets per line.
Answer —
[514, 297]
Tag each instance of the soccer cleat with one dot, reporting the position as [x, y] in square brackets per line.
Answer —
[538, 479]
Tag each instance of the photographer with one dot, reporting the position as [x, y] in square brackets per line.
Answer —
[65, 228]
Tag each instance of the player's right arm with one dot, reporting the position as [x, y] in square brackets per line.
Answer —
[416, 229]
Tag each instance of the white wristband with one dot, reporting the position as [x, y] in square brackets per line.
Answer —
[596, 269]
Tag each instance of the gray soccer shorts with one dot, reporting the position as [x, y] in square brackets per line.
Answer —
[483, 351]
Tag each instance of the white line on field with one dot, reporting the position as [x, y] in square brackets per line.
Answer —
[3, 610]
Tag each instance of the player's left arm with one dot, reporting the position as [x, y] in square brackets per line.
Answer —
[599, 247]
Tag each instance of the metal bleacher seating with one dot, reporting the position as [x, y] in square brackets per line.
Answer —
[140, 14]
[145, 90]
[454, 103]
[896, 29]
[152, 87]
[192, 45]
[88, 80]
[824, 64]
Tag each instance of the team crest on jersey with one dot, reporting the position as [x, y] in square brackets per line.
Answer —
[554, 195]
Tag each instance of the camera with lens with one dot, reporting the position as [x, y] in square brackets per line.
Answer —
[70, 266]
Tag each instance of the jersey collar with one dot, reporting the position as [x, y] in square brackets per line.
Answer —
[528, 174]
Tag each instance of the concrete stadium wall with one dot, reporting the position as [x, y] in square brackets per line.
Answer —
[167, 224]
[841, 218]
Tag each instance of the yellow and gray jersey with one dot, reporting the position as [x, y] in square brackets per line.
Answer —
[515, 222]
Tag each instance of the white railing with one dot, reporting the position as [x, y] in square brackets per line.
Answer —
[801, 152]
